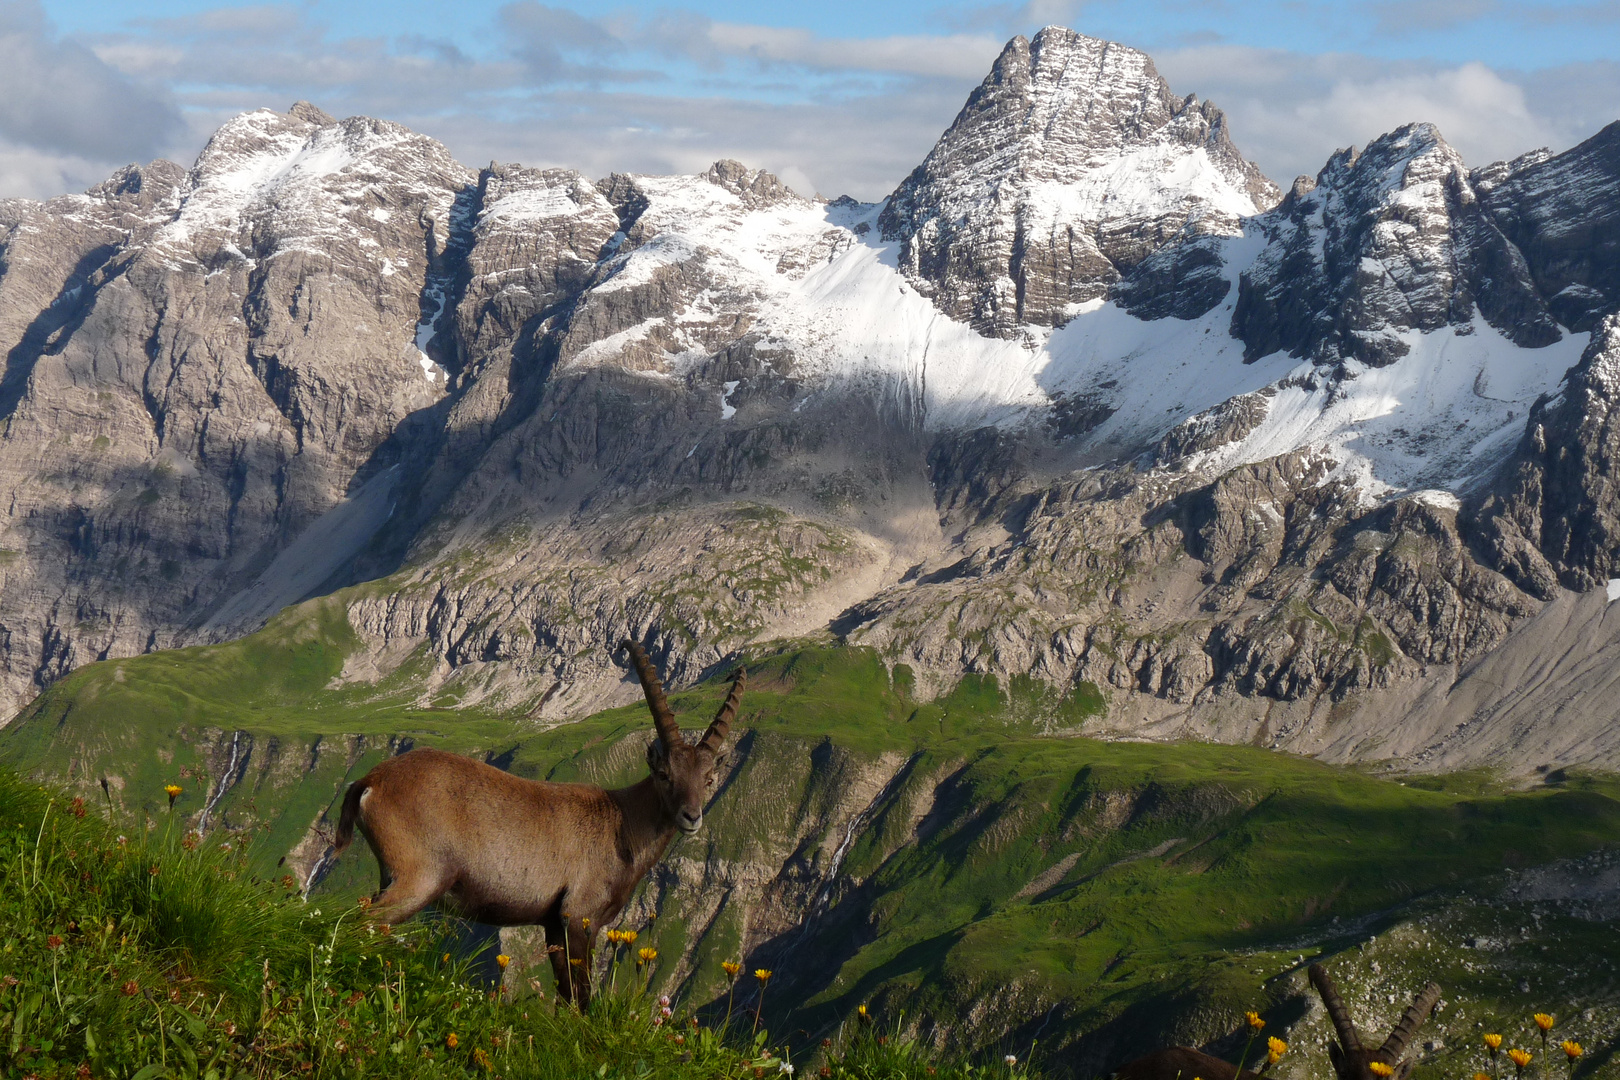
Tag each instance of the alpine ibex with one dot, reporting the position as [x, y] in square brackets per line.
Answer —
[1350, 1059]
[498, 849]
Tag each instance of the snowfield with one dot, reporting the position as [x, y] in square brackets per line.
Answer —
[815, 280]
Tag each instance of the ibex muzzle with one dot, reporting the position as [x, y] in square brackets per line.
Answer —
[498, 849]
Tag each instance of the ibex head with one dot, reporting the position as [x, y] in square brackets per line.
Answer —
[1351, 1060]
[684, 775]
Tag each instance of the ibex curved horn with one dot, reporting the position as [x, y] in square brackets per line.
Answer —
[1342, 1024]
[1421, 1007]
[715, 737]
[663, 719]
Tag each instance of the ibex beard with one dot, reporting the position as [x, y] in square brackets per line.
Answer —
[498, 849]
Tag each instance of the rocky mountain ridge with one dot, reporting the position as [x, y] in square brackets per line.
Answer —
[1077, 402]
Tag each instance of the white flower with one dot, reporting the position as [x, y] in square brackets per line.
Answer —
[122, 840]
[787, 1067]
[1011, 1060]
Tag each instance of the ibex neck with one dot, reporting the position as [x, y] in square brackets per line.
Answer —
[645, 826]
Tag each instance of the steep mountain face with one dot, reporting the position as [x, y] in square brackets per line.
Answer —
[1561, 213]
[1554, 520]
[1328, 452]
[198, 365]
[1071, 163]
[1386, 241]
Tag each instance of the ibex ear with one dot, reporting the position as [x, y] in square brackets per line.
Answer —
[657, 755]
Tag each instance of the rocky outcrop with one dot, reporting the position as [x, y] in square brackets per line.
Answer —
[1057, 176]
[1273, 582]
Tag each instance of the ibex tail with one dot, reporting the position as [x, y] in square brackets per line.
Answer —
[350, 814]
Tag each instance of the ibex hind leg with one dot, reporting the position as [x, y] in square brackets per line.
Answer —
[403, 898]
[384, 881]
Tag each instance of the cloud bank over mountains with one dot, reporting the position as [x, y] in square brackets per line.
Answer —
[674, 90]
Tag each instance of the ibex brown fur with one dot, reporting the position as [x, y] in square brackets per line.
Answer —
[1350, 1059]
[498, 849]
[1181, 1063]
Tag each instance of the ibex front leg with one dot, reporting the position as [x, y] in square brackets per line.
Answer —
[569, 945]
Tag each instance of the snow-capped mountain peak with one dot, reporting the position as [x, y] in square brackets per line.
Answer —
[1068, 165]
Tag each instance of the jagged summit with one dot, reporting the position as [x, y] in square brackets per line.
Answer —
[1068, 165]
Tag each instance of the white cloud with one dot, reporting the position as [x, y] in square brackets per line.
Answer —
[1290, 112]
[963, 56]
[59, 97]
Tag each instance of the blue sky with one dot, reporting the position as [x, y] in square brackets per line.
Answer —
[835, 96]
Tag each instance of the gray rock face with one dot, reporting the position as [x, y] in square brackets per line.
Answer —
[1053, 180]
[1554, 520]
[198, 365]
[1392, 239]
[1563, 213]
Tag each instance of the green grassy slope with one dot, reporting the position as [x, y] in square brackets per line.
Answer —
[152, 955]
[999, 886]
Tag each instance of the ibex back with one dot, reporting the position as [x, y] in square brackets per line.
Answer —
[499, 849]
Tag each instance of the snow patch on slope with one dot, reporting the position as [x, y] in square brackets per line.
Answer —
[1437, 420]
[1443, 416]
[1143, 184]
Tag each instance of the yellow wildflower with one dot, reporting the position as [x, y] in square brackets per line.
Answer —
[1482, 1076]
[628, 936]
[1254, 1020]
[1520, 1058]
[731, 968]
[1378, 1068]
[480, 1058]
[503, 960]
[1572, 1049]
[762, 974]
[1493, 1041]
[1275, 1049]
[1544, 1021]
[451, 1042]
[647, 956]
[173, 792]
